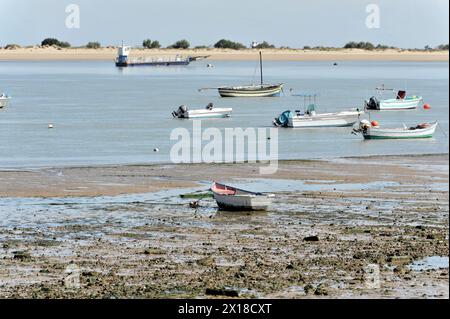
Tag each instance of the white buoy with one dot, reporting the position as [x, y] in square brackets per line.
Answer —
[156, 150]
[50, 126]
[209, 65]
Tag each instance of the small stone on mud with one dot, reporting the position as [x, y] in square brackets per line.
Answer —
[207, 262]
[21, 255]
[399, 260]
[290, 266]
[311, 238]
[154, 251]
[222, 292]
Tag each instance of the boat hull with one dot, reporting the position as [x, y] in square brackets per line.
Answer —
[397, 104]
[230, 198]
[377, 134]
[243, 202]
[251, 91]
[214, 113]
[156, 63]
[342, 119]
[4, 102]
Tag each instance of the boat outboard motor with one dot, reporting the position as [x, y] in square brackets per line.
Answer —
[373, 103]
[180, 113]
[283, 119]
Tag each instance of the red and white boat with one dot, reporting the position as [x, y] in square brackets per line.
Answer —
[231, 198]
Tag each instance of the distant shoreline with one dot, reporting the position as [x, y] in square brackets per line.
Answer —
[109, 54]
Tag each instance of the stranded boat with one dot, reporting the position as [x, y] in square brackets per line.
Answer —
[260, 90]
[4, 100]
[230, 198]
[310, 118]
[424, 130]
[401, 102]
[123, 59]
[209, 112]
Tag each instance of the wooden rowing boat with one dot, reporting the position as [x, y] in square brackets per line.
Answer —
[231, 198]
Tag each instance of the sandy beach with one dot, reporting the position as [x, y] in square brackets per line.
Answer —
[109, 54]
[333, 225]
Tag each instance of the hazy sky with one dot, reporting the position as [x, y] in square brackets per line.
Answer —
[294, 23]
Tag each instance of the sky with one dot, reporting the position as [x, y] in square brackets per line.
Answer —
[293, 23]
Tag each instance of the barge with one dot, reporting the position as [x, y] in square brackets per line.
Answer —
[123, 59]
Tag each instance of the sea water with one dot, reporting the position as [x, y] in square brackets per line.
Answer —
[105, 115]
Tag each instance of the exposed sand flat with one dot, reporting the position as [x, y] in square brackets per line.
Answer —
[108, 54]
[352, 239]
[116, 180]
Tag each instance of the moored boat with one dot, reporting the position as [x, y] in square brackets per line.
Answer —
[262, 90]
[310, 118]
[370, 132]
[253, 90]
[4, 100]
[123, 59]
[231, 198]
[400, 102]
[209, 112]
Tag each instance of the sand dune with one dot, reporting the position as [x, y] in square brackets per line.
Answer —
[105, 54]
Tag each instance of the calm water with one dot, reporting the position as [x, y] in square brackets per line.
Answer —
[103, 115]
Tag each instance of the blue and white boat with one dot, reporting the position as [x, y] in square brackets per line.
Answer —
[310, 118]
[400, 102]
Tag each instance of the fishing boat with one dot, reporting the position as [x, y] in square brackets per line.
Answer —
[400, 102]
[4, 100]
[370, 132]
[208, 112]
[310, 118]
[123, 59]
[253, 90]
[231, 198]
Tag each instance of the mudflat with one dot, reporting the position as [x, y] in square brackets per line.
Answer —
[341, 228]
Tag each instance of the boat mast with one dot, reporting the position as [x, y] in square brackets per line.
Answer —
[261, 67]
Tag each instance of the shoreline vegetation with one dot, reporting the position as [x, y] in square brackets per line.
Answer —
[53, 49]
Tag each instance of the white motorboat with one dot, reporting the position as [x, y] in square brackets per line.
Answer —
[209, 112]
[4, 100]
[310, 118]
[231, 198]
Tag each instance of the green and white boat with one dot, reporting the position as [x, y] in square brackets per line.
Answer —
[401, 102]
[424, 130]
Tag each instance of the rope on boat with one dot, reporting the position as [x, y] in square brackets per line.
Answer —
[443, 131]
